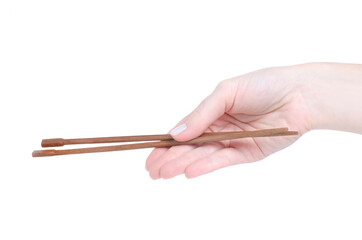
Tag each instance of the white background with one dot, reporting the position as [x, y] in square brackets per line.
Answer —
[107, 68]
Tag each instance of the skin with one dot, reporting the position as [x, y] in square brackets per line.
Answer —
[301, 97]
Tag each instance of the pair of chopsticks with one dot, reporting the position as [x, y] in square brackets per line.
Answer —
[163, 140]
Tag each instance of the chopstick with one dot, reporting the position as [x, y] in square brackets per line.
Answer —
[165, 140]
[59, 142]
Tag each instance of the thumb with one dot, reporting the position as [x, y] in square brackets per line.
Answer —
[209, 110]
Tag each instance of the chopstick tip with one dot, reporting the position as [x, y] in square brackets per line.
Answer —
[53, 142]
[43, 153]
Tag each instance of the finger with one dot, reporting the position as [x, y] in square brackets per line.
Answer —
[219, 159]
[178, 165]
[170, 154]
[212, 108]
[154, 155]
[157, 152]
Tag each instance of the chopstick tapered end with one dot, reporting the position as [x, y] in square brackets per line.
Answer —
[44, 153]
[53, 142]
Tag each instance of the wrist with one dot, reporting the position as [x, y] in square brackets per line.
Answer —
[333, 95]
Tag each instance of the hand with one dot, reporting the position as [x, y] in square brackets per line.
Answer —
[267, 98]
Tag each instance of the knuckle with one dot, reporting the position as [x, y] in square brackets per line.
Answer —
[223, 84]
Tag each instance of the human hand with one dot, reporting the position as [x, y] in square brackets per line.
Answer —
[301, 97]
[263, 99]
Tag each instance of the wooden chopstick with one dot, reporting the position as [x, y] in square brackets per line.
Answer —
[165, 141]
[59, 142]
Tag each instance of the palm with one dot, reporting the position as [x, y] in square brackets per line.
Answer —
[253, 149]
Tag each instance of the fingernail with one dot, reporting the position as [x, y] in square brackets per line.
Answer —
[178, 129]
